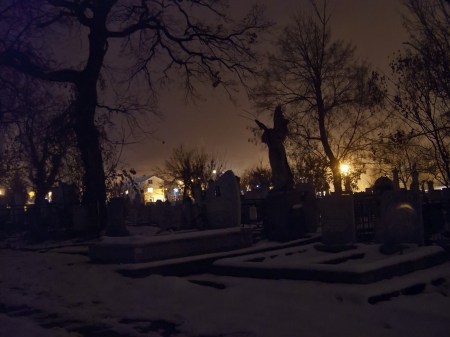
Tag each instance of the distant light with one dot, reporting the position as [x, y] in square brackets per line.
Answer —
[175, 190]
[214, 171]
[126, 192]
[345, 168]
[31, 194]
[257, 186]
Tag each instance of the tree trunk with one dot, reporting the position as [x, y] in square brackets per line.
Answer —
[337, 178]
[334, 163]
[86, 131]
[94, 179]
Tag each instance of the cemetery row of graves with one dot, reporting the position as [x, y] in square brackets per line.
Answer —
[387, 214]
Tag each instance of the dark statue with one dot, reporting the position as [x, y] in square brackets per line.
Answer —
[282, 178]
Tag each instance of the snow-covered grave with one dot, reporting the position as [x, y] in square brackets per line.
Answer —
[54, 290]
[139, 248]
[359, 263]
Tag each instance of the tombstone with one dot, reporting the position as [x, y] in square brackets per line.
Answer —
[415, 185]
[338, 219]
[383, 184]
[187, 212]
[116, 221]
[308, 196]
[433, 195]
[395, 179]
[223, 202]
[172, 217]
[80, 217]
[65, 194]
[157, 212]
[401, 219]
[252, 213]
[347, 184]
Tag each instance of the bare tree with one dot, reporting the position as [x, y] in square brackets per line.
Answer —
[190, 168]
[256, 176]
[421, 75]
[151, 40]
[329, 90]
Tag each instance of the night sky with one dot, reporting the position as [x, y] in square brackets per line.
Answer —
[374, 26]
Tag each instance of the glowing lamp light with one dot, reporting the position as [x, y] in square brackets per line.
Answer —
[214, 171]
[126, 192]
[150, 190]
[345, 168]
[175, 190]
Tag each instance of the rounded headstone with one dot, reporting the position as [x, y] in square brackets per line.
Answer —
[383, 184]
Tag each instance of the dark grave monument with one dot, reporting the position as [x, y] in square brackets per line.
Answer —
[116, 220]
[285, 216]
[171, 218]
[309, 202]
[80, 217]
[338, 219]
[223, 202]
[401, 218]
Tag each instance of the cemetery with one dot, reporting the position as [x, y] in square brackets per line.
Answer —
[353, 248]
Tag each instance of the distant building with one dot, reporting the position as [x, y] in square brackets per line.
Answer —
[149, 187]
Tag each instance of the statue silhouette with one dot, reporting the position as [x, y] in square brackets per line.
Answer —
[282, 178]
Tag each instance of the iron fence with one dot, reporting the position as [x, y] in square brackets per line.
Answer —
[39, 221]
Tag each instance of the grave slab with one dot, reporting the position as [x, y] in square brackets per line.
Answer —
[362, 265]
[160, 247]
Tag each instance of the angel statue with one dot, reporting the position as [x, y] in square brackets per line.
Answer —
[282, 178]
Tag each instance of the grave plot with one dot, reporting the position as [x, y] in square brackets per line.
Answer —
[357, 263]
[138, 248]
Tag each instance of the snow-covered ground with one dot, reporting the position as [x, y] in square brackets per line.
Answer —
[58, 292]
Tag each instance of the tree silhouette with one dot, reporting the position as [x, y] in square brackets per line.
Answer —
[192, 167]
[330, 92]
[421, 74]
[149, 40]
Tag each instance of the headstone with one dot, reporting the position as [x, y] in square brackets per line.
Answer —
[116, 221]
[395, 179]
[65, 194]
[252, 213]
[338, 219]
[284, 216]
[383, 184]
[433, 195]
[223, 202]
[157, 212]
[415, 185]
[401, 218]
[172, 217]
[187, 212]
[80, 217]
[309, 201]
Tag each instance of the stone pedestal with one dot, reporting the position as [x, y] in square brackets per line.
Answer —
[309, 201]
[285, 216]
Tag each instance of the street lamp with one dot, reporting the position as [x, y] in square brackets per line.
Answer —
[175, 191]
[344, 170]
